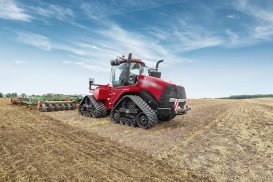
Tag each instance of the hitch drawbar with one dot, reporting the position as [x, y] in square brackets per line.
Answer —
[183, 111]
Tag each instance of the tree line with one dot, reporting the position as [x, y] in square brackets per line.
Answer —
[23, 95]
[248, 96]
[8, 95]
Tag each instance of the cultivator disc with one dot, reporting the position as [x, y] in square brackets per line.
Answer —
[49, 106]
[16, 100]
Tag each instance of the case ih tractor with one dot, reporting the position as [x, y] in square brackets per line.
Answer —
[135, 99]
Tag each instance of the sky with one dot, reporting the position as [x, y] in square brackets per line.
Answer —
[213, 48]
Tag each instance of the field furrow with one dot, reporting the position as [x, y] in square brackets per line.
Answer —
[237, 146]
[218, 140]
[36, 147]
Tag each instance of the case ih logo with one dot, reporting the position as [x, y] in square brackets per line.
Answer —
[147, 83]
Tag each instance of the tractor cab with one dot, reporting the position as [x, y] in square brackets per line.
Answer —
[125, 72]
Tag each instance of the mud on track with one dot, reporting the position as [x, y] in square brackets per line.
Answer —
[36, 147]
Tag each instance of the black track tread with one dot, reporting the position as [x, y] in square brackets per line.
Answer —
[145, 108]
[99, 106]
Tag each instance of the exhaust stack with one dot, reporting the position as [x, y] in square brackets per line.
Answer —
[157, 64]
[128, 69]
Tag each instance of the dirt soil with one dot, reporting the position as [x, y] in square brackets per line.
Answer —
[219, 140]
[37, 147]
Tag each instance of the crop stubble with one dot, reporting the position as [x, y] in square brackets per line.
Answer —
[222, 140]
[36, 147]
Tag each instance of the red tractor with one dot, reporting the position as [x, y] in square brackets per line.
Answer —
[133, 98]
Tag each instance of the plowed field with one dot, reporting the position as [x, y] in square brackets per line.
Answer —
[218, 140]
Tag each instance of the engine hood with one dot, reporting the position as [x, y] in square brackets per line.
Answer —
[153, 85]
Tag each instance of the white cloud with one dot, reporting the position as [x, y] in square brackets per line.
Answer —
[44, 43]
[92, 46]
[35, 40]
[233, 37]
[20, 62]
[99, 9]
[264, 32]
[188, 36]
[264, 14]
[118, 41]
[69, 48]
[232, 16]
[92, 66]
[263, 17]
[89, 10]
[113, 41]
[158, 33]
[55, 11]
[10, 10]
[234, 40]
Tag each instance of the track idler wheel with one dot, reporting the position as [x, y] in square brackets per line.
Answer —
[143, 121]
[94, 113]
[115, 116]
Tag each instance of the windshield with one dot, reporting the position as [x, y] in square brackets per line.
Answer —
[118, 73]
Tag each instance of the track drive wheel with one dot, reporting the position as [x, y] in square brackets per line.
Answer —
[142, 120]
[94, 113]
[115, 116]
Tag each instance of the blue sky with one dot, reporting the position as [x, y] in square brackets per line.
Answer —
[214, 48]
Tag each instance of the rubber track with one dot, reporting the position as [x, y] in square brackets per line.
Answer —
[99, 106]
[145, 108]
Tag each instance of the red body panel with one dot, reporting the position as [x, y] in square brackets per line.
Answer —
[152, 85]
[101, 92]
[111, 95]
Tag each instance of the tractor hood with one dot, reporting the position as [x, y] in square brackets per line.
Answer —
[153, 85]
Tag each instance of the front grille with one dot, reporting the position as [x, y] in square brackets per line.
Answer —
[181, 92]
[172, 91]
